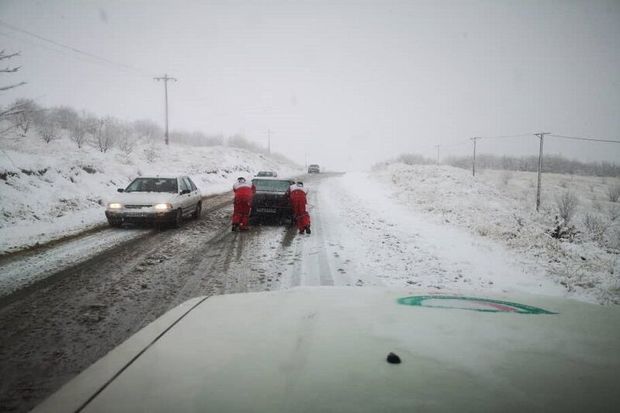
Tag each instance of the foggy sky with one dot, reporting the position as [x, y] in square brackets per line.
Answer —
[347, 83]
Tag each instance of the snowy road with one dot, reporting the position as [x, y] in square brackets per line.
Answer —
[54, 329]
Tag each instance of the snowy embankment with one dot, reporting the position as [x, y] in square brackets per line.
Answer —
[500, 206]
[50, 191]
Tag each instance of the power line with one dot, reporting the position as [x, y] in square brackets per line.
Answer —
[579, 138]
[73, 49]
[504, 136]
[64, 53]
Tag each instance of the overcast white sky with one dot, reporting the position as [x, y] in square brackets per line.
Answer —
[347, 82]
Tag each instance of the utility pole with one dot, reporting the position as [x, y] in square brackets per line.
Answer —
[269, 141]
[166, 78]
[541, 137]
[437, 146]
[473, 164]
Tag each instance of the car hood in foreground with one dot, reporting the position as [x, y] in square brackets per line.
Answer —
[324, 350]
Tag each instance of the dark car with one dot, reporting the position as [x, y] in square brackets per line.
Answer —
[314, 169]
[271, 200]
[263, 174]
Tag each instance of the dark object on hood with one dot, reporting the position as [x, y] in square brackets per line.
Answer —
[393, 358]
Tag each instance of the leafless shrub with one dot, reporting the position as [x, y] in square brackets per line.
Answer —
[77, 132]
[562, 230]
[104, 133]
[126, 142]
[595, 225]
[613, 238]
[150, 153]
[613, 213]
[48, 130]
[613, 193]
[25, 113]
[567, 204]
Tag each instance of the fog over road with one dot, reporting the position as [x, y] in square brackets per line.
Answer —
[56, 327]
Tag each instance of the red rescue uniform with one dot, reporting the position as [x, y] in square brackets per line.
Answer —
[298, 204]
[244, 193]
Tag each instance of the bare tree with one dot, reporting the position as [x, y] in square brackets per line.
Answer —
[567, 204]
[64, 116]
[48, 129]
[126, 142]
[26, 114]
[105, 134]
[78, 131]
[11, 110]
[9, 69]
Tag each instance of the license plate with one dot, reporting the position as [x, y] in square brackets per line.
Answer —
[135, 214]
[266, 210]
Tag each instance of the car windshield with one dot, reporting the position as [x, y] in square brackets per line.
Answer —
[271, 185]
[153, 185]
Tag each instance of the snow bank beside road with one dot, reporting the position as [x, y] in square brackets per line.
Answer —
[52, 190]
[387, 244]
[488, 206]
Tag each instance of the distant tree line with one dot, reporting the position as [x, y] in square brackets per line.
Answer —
[105, 133]
[551, 163]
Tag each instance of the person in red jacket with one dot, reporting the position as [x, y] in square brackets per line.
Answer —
[244, 192]
[297, 194]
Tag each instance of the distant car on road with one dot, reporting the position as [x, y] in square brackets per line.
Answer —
[263, 174]
[271, 200]
[155, 200]
[314, 169]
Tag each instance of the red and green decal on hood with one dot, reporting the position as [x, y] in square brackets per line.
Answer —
[484, 305]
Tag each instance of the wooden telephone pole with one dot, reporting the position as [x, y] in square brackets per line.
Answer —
[166, 78]
[541, 137]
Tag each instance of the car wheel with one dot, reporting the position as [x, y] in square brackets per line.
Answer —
[197, 211]
[178, 219]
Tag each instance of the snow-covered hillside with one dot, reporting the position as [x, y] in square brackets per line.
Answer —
[52, 190]
[501, 205]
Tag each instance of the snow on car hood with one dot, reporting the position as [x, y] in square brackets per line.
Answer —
[143, 198]
[325, 349]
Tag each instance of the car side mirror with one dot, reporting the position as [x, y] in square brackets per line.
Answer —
[185, 191]
[120, 190]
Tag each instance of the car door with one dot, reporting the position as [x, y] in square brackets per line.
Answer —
[196, 196]
[185, 198]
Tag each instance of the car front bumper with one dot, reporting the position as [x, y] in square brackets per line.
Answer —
[140, 217]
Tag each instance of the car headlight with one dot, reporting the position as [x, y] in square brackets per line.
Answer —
[162, 207]
[115, 205]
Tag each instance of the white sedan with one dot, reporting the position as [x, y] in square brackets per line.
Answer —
[157, 200]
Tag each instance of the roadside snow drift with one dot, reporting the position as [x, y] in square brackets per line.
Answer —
[500, 206]
[52, 190]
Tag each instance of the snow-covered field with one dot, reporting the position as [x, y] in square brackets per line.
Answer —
[49, 191]
[500, 206]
